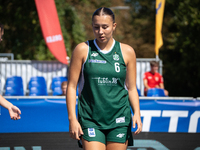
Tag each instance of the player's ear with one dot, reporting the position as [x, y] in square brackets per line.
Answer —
[114, 26]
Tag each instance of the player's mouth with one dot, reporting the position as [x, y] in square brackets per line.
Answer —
[101, 37]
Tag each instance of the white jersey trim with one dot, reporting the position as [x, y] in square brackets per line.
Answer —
[124, 63]
[102, 51]
[81, 78]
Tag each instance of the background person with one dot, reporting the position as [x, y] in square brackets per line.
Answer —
[153, 79]
[13, 110]
[103, 66]
[64, 88]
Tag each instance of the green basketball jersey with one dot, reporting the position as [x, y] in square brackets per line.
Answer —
[103, 100]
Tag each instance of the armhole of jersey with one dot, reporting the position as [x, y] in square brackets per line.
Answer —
[81, 78]
[124, 63]
[87, 53]
[121, 52]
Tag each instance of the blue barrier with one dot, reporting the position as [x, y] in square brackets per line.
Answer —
[38, 115]
[49, 114]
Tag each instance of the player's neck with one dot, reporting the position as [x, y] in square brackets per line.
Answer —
[105, 46]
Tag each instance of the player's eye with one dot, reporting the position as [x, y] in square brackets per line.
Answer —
[96, 27]
[105, 27]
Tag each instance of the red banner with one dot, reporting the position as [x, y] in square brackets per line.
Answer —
[51, 29]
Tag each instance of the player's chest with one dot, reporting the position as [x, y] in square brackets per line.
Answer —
[105, 65]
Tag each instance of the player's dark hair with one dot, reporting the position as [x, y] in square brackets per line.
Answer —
[104, 11]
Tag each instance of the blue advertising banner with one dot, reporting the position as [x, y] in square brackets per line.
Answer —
[170, 116]
[50, 115]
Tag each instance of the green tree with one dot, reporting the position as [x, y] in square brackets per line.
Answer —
[181, 51]
[142, 27]
[23, 35]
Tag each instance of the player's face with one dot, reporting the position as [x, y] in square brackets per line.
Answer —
[103, 28]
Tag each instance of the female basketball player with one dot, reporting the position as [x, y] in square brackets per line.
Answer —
[106, 73]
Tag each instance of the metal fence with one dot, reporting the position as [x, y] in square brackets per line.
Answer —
[49, 69]
[27, 69]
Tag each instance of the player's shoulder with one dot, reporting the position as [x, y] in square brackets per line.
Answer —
[80, 51]
[127, 48]
[81, 46]
[127, 51]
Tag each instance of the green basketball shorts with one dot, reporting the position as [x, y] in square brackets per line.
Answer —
[118, 135]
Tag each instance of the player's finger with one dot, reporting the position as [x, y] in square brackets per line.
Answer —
[12, 117]
[139, 129]
[19, 111]
[136, 132]
[77, 137]
[133, 123]
[80, 132]
[18, 117]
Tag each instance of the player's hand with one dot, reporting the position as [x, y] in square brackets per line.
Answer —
[137, 120]
[14, 112]
[75, 129]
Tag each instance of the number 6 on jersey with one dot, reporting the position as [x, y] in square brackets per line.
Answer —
[117, 68]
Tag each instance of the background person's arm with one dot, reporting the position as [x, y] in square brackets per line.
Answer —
[146, 84]
[13, 110]
[161, 85]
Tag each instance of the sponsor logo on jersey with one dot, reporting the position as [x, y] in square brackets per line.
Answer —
[106, 81]
[91, 132]
[120, 120]
[94, 54]
[97, 61]
[120, 135]
[116, 57]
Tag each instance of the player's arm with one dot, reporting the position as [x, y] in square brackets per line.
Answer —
[13, 110]
[130, 60]
[77, 59]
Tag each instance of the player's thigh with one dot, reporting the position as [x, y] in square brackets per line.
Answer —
[116, 146]
[93, 145]
[93, 139]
